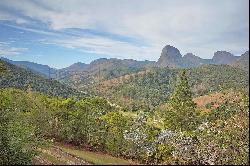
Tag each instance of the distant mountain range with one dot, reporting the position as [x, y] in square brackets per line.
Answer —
[129, 82]
[107, 63]
[100, 69]
[170, 57]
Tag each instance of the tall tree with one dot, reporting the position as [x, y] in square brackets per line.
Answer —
[181, 115]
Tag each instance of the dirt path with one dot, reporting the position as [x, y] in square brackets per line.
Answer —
[38, 160]
[60, 155]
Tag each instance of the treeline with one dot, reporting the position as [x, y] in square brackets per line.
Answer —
[188, 136]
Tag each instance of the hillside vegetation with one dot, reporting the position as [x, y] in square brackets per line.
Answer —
[242, 62]
[188, 135]
[13, 76]
[150, 88]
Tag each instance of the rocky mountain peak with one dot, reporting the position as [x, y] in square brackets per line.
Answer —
[170, 56]
[246, 54]
[171, 52]
[223, 57]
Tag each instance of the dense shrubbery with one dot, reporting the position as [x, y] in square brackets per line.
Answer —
[17, 136]
[90, 122]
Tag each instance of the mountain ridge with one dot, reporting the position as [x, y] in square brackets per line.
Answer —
[242, 62]
[44, 70]
[170, 57]
[13, 76]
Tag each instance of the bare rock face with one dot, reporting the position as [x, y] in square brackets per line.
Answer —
[191, 60]
[170, 57]
[223, 57]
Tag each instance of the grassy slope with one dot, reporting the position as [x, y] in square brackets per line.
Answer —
[95, 158]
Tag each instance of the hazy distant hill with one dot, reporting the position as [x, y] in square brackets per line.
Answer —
[223, 57]
[45, 70]
[107, 64]
[14, 76]
[242, 62]
[191, 60]
[100, 69]
[76, 67]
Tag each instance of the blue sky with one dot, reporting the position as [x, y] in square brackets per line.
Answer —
[61, 32]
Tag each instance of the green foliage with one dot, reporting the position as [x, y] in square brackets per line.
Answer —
[225, 138]
[144, 92]
[212, 78]
[163, 153]
[182, 95]
[115, 123]
[17, 136]
[245, 100]
[23, 79]
[94, 123]
[228, 108]
[116, 71]
[2, 67]
[181, 114]
[149, 90]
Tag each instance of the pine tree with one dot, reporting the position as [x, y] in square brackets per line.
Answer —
[181, 115]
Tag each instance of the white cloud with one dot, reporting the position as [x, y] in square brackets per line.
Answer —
[105, 46]
[198, 26]
[8, 16]
[33, 30]
[7, 50]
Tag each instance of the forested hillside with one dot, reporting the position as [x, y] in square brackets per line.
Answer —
[43, 70]
[13, 76]
[84, 75]
[153, 86]
[242, 62]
